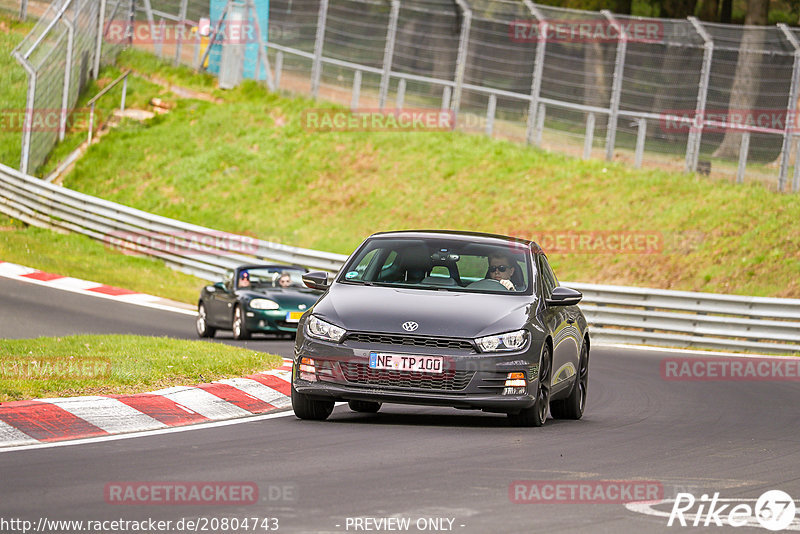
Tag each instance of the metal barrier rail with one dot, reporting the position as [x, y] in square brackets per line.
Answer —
[616, 314]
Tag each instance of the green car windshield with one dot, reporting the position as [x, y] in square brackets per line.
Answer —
[261, 278]
[441, 264]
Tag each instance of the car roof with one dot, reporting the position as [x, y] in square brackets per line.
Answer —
[460, 235]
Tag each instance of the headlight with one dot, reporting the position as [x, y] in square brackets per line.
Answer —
[503, 342]
[264, 304]
[320, 329]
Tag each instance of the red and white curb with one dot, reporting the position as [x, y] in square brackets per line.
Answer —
[48, 420]
[95, 289]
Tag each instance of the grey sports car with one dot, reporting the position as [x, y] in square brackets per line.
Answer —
[467, 320]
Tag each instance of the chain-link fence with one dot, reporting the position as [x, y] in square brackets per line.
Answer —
[678, 94]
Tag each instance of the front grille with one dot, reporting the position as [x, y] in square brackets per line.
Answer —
[413, 341]
[449, 380]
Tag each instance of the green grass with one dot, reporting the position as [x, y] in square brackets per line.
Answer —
[13, 88]
[114, 364]
[248, 166]
[80, 257]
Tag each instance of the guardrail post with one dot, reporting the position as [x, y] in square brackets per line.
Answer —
[744, 147]
[490, 112]
[401, 93]
[463, 51]
[588, 138]
[356, 90]
[641, 134]
[616, 86]
[98, 47]
[91, 122]
[538, 68]
[791, 108]
[179, 36]
[278, 68]
[696, 128]
[124, 93]
[388, 53]
[23, 9]
[316, 66]
[62, 125]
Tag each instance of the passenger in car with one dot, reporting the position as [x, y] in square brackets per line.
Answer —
[285, 280]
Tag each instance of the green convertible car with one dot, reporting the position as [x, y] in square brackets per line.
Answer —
[255, 298]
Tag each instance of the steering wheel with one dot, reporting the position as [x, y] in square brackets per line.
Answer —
[487, 283]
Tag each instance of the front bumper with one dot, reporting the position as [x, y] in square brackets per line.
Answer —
[269, 321]
[470, 380]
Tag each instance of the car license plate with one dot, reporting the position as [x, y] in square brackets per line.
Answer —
[406, 362]
[293, 317]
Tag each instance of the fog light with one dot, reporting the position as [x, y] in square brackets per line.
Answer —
[308, 370]
[515, 384]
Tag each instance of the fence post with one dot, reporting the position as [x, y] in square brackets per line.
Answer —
[616, 86]
[262, 56]
[278, 69]
[62, 125]
[696, 129]
[744, 148]
[463, 51]
[490, 112]
[641, 134]
[23, 10]
[388, 53]
[179, 37]
[148, 11]
[588, 138]
[316, 67]
[401, 93]
[98, 48]
[537, 134]
[356, 90]
[538, 68]
[791, 108]
[30, 102]
[447, 93]
[796, 180]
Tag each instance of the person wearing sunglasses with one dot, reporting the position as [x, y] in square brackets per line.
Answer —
[501, 268]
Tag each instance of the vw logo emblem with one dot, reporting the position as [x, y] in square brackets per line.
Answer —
[410, 326]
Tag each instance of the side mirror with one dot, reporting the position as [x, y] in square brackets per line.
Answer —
[316, 280]
[564, 296]
[211, 289]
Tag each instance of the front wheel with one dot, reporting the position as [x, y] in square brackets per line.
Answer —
[572, 407]
[307, 408]
[536, 415]
[239, 327]
[203, 330]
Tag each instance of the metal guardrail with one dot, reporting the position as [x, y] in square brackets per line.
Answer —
[616, 314]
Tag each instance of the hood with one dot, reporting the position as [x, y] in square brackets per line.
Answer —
[438, 313]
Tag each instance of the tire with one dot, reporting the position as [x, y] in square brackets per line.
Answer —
[536, 415]
[239, 325]
[364, 406]
[306, 408]
[572, 407]
[201, 324]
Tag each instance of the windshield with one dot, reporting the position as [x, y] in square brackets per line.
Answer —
[262, 277]
[437, 263]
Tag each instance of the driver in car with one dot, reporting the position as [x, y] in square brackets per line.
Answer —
[244, 279]
[285, 280]
[501, 268]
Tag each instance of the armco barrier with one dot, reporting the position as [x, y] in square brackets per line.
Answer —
[616, 314]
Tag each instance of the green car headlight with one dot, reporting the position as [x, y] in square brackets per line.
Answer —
[509, 341]
[320, 329]
[264, 304]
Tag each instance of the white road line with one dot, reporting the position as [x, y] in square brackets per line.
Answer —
[108, 414]
[10, 436]
[202, 402]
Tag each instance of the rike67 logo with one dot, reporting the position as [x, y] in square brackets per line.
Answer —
[773, 510]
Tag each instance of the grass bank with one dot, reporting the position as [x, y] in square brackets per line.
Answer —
[112, 364]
